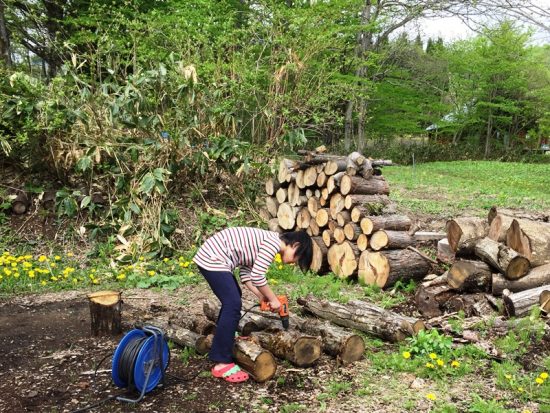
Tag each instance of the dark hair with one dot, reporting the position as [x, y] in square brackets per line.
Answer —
[304, 253]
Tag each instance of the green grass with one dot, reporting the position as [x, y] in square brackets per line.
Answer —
[451, 187]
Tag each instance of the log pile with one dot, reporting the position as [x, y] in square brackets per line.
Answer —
[504, 256]
[343, 203]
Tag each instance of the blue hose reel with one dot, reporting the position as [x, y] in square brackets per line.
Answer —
[140, 361]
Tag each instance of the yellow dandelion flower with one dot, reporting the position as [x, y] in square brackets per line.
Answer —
[166, 260]
[280, 267]
[27, 264]
[53, 265]
[14, 264]
[406, 355]
[43, 283]
[141, 258]
[431, 396]
[538, 380]
[433, 356]
[75, 280]
[440, 362]
[95, 281]
[278, 258]
[42, 258]
[121, 276]
[508, 376]
[430, 365]
[520, 389]
[526, 411]
[7, 272]
[151, 273]
[57, 258]
[455, 363]
[543, 375]
[53, 278]
[70, 254]
[16, 274]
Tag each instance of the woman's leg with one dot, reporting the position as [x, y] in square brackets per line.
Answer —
[225, 287]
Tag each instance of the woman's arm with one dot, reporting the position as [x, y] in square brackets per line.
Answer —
[248, 284]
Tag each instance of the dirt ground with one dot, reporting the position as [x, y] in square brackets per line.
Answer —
[48, 358]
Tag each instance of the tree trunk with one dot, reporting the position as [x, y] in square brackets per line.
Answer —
[470, 276]
[520, 304]
[303, 219]
[531, 239]
[537, 277]
[105, 312]
[463, 233]
[502, 258]
[300, 350]
[361, 186]
[365, 317]
[5, 47]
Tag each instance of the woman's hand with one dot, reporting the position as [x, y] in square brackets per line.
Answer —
[274, 304]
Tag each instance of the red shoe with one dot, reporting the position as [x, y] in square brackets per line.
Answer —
[231, 373]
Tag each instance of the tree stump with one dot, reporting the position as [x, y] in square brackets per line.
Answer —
[105, 312]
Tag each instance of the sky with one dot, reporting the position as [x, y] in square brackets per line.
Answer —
[452, 28]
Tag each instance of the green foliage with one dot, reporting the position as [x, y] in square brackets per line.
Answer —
[480, 405]
[526, 330]
[430, 341]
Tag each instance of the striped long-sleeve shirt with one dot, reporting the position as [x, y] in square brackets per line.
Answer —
[250, 249]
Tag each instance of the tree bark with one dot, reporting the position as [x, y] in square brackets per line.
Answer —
[319, 262]
[367, 204]
[365, 317]
[520, 304]
[537, 277]
[386, 222]
[105, 312]
[531, 239]
[463, 233]
[431, 296]
[300, 350]
[390, 240]
[502, 258]
[361, 186]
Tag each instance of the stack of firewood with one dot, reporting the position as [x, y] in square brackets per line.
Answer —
[506, 255]
[343, 203]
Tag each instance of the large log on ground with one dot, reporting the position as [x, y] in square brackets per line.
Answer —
[520, 304]
[390, 239]
[537, 277]
[342, 259]
[387, 222]
[319, 261]
[365, 317]
[300, 350]
[531, 239]
[502, 258]
[371, 204]
[184, 337]
[463, 233]
[360, 185]
[432, 295]
[385, 268]
[471, 276]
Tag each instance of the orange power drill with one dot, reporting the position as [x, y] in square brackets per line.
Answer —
[283, 310]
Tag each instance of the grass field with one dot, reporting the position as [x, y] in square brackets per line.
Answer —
[452, 187]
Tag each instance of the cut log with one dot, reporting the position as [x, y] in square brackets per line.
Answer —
[537, 277]
[432, 295]
[303, 218]
[313, 206]
[336, 204]
[498, 226]
[390, 239]
[533, 216]
[386, 222]
[286, 168]
[469, 304]
[300, 179]
[319, 262]
[272, 205]
[362, 186]
[310, 176]
[470, 276]
[333, 182]
[463, 233]
[342, 259]
[264, 214]
[365, 317]
[321, 180]
[328, 237]
[381, 162]
[351, 168]
[322, 217]
[271, 186]
[281, 195]
[105, 312]
[369, 204]
[339, 235]
[314, 228]
[286, 215]
[544, 301]
[273, 225]
[366, 226]
[21, 203]
[531, 239]
[335, 165]
[352, 231]
[420, 236]
[373, 269]
[357, 158]
[520, 304]
[184, 337]
[405, 265]
[502, 258]
[300, 350]
[362, 242]
[343, 217]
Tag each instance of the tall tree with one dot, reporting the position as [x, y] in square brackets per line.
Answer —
[5, 48]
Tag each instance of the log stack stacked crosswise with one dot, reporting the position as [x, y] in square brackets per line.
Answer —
[343, 203]
[505, 255]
